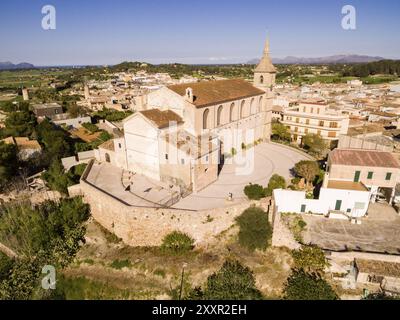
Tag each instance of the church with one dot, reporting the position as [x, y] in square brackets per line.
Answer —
[185, 131]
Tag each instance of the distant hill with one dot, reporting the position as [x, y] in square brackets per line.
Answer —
[351, 58]
[10, 66]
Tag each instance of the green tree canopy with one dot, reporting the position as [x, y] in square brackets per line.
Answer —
[307, 170]
[255, 229]
[310, 258]
[232, 282]
[314, 144]
[20, 124]
[280, 132]
[8, 162]
[50, 233]
[254, 191]
[55, 140]
[308, 286]
[275, 182]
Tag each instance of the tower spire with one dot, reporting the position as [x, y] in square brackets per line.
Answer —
[266, 47]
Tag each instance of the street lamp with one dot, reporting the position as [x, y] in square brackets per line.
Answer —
[183, 272]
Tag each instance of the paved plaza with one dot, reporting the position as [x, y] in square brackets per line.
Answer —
[268, 160]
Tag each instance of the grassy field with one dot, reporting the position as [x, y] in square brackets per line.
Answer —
[11, 80]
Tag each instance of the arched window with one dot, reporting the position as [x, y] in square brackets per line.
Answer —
[261, 79]
[205, 119]
[252, 107]
[219, 114]
[242, 109]
[231, 113]
[260, 102]
[107, 157]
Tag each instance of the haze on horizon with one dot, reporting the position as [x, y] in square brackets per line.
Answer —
[156, 31]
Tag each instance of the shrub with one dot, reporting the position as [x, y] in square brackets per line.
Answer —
[296, 225]
[308, 286]
[310, 258]
[276, 182]
[255, 192]
[91, 127]
[160, 273]
[255, 229]
[233, 151]
[232, 282]
[119, 264]
[177, 243]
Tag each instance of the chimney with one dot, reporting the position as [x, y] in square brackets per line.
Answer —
[189, 95]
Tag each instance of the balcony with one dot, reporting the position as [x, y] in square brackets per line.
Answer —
[311, 125]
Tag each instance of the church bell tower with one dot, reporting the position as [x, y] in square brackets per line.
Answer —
[264, 79]
[265, 72]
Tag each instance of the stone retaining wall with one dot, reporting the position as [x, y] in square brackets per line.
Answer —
[146, 226]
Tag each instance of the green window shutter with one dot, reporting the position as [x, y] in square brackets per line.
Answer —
[303, 208]
[388, 176]
[338, 205]
[357, 176]
[370, 175]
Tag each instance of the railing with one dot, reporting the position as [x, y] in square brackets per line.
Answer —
[84, 179]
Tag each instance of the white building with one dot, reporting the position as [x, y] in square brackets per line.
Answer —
[314, 117]
[336, 199]
[185, 128]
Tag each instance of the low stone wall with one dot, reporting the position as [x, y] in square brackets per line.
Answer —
[146, 226]
[304, 154]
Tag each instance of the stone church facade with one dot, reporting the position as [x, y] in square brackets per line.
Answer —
[185, 130]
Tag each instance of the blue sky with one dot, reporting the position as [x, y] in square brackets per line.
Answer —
[193, 31]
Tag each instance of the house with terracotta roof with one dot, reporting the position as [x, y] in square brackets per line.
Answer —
[313, 116]
[26, 148]
[379, 171]
[184, 130]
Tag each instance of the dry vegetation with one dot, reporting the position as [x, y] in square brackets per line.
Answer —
[148, 273]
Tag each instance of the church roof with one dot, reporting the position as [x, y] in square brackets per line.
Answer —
[265, 64]
[160, 118]
[209, 93]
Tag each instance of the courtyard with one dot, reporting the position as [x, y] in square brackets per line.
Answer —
[267, 159]
[378, 232]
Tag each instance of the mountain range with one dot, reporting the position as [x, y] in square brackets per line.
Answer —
[10, 66]
[343, 58]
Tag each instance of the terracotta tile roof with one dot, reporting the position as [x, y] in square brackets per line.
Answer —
[25, 143]
[364, 158]
[160, 118]
[379, 268]
[318, 102]
[207, 93]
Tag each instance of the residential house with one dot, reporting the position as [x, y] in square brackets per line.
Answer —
[378, 170]
[313, 116]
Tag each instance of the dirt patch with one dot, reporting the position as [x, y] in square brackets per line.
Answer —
[85, 134]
